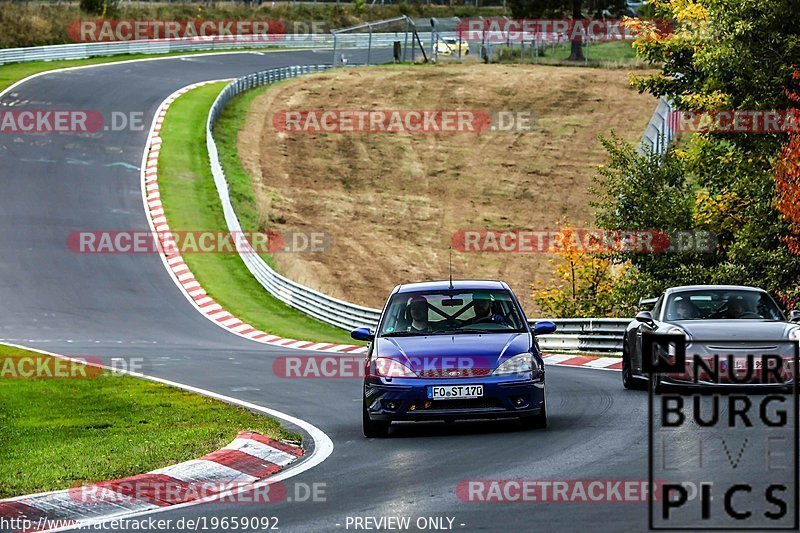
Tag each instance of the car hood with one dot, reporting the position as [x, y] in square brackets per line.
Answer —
[735, 330]
[433, 354]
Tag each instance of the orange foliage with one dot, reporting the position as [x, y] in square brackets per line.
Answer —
[787, 176]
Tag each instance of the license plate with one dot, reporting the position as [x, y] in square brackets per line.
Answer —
[740, 364]
[454, 392]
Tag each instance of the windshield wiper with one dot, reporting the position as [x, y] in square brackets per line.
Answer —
[406, 333]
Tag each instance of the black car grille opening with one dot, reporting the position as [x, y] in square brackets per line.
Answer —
[474, 403]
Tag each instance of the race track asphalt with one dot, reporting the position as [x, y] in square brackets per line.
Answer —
[126, 305]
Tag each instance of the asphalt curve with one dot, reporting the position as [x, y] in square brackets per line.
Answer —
[127, 305]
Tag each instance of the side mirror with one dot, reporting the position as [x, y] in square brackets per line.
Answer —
[645, 317]
[362, 334]
[794, 315]
[544, 327]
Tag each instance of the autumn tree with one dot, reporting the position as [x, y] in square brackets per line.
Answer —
[723, 55]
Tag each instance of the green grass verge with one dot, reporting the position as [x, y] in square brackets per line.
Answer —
[612, 54]
[191, 203]
[55, 433]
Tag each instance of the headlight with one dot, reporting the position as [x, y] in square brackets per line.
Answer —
[389, 368]
[517, 364]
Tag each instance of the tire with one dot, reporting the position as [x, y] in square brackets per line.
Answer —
[536, 421]
[628, 380]
[373, 429]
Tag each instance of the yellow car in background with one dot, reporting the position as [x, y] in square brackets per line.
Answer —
[450, 46]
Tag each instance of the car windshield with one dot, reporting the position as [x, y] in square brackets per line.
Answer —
[452, 312]
[715, 304]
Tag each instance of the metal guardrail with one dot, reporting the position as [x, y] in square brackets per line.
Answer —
[313, 303]
[165, 46]
[588, 335]
[659, 132]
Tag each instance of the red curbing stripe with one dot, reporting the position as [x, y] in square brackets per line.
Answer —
[351, 348]
[282, 446]
[326, 347]
[17, 509]
[246, 331]
[616, 366]
[578, 360]
[306, 345]
[243, 462]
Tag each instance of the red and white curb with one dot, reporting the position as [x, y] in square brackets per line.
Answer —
[180, 270]
[212, 310]
[249, 459]
[585, 361]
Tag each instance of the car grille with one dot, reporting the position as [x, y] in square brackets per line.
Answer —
[476, 403]
[455, 373]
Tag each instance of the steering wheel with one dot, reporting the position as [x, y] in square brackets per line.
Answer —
[719, 312]
[750, 314]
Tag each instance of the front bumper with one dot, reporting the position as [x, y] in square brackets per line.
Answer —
[728, 366]
[406, 399]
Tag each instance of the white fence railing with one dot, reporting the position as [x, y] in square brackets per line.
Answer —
[659, 132]
[590, 335]
[196, 44]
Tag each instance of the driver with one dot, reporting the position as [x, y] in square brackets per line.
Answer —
[736, 308]
[482, 304]
[418, 307]
[684, 310]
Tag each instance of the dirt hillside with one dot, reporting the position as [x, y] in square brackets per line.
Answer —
[391, 201]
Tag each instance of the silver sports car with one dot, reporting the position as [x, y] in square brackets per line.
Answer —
[728, 333]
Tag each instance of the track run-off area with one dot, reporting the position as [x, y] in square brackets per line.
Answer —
[127, 305]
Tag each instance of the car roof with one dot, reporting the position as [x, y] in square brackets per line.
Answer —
[713, 287]
[445, 284]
